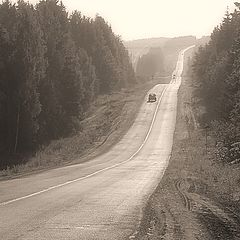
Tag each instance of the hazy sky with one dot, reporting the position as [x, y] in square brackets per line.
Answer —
[134, 19]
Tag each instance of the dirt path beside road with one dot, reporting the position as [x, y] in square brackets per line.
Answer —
[197, 197]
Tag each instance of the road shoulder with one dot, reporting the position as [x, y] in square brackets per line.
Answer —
[197, 197]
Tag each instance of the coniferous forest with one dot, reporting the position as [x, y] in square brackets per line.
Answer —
[52, 66]
[217, 74]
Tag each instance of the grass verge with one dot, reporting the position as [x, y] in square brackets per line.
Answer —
[106, 122]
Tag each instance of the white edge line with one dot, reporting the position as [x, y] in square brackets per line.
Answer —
[99, 171]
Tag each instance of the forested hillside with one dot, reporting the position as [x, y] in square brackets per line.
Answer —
[151, 63]
[217, 74]
[52, 66]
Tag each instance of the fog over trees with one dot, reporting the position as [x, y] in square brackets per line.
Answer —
[162, 55]
[52, 66]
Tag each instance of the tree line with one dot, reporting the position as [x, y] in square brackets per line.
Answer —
[216, 69]
[52, 66]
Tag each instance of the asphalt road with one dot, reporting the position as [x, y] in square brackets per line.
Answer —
[102, 198]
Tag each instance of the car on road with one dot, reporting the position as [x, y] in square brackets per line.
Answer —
[152, 97]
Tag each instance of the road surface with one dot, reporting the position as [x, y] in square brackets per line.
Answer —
[102, 198]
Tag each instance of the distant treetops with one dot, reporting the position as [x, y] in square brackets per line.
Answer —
[52, 66]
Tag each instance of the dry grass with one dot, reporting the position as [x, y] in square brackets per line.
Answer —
[191, 158]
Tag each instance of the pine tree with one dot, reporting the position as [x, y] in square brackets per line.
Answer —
[52, 67]
[29, 71]
[54, 23]
[217, 72]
